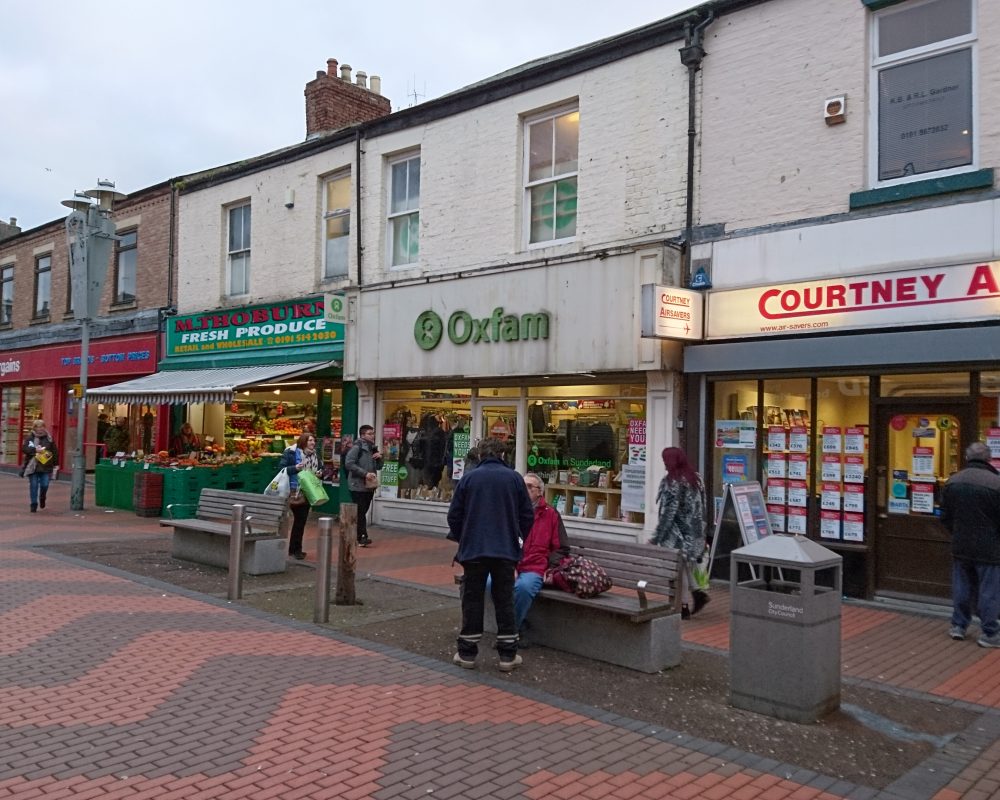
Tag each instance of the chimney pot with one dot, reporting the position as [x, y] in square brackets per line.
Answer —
[361, 79]
[331, 67]
[13, 222]
[376, 85]
[320, 73]
[345, 72]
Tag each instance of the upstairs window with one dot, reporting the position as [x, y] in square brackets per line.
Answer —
[922, 73]
[404, 211]
[337, 226]
[126, 250]
[6, 295]
[239, 250]
[43, 286]
[550, 173]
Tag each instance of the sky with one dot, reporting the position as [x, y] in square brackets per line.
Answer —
[140, 92]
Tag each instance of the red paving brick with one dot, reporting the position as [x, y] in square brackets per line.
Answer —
[224, 704]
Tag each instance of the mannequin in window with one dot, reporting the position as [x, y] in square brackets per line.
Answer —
[433, 442]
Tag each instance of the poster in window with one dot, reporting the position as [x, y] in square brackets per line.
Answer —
[798, 440]
[854, 527]
[854, 498]
[776, 492]
[796, 522]
[830, 497]
[854, 441]
[854, 469]
[797, 495]
[925, 115]
[923, 461]
[777, 438]
[831, 439]
[776, 514]
[798, 467]
[829, 524]
[389, 480]
[777, 466]
[734, 468]
[922, 498]
[831, 468]
[633, 487]
[736, 433]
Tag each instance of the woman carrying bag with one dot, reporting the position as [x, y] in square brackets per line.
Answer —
[299, 458]
[681, 524]
[41, 458]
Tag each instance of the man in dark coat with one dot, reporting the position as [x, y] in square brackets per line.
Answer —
[490, 514]
[970, 510]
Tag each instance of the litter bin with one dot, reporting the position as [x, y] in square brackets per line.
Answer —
[784, 628]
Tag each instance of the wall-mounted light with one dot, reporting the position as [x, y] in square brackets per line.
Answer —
[835, 110]
[289, 198]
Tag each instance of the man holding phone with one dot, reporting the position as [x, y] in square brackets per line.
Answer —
[361, 463]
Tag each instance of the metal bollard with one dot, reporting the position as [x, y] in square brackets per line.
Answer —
[321, 608]
[236, 553]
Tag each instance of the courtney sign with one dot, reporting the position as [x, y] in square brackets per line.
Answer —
[292, 322]
[963, 293]
[671, 313]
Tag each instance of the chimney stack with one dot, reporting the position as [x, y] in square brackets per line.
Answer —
[334, 102]
[7, 230]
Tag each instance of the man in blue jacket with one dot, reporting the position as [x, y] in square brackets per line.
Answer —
[489, 516]
[970, 510]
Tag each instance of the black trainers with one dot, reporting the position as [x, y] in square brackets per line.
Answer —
[510, 664]
[364, 542]
[464, 663]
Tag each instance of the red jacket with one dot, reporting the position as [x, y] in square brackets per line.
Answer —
[546, 543]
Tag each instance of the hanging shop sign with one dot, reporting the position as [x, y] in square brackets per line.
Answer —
[671, 313]
[961, 293]
[463, 328]
[283, 324]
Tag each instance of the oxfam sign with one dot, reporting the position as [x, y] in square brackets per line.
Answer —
[463, 328]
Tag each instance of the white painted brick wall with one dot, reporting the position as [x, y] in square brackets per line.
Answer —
[766, 154]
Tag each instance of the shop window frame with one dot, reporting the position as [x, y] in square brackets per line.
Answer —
[532, 185]
[409, 212]
[238, 248]
[338, 271]
[43, 276]
[6, 295]
[126, 259]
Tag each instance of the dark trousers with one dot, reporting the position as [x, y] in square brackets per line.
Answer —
[300, 514]
[975, 585]
[501, 575]
[363, 500]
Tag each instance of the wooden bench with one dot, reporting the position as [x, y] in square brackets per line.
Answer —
[632, 625]
[205, 539]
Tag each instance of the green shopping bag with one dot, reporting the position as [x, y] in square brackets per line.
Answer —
[312, 488]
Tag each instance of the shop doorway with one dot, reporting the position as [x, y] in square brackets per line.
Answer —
[918, 447]
[498, 419]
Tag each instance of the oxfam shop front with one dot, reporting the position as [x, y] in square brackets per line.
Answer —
[547, 371]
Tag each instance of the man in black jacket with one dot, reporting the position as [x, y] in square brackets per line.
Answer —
[970, 510]
[490, 514]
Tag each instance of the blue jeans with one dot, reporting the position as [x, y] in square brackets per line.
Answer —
[36, 481]
[527, 585]
[972, 582]
[500, 575]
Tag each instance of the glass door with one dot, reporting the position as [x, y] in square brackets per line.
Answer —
[498, 419]
[920, 447]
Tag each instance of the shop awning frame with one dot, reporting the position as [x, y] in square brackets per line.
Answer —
[218, 385]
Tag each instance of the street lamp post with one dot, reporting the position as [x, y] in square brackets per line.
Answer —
[91, 235]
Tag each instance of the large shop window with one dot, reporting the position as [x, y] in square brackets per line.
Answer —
[585, 442]
[807, 441]
[989, 413]
[10, 424]
[922, 68]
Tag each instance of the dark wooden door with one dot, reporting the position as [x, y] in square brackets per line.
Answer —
[918, 446]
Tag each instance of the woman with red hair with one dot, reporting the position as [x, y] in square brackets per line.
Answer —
[681, 524]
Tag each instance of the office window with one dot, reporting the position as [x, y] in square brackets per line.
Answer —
[69, 284]
[404, 211]
[550, 172]
[43, 285]
[6, 295]
[239, 250]
[337, 226]
[922, 84]
[126, 250]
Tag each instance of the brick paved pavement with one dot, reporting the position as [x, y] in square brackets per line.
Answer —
[112, 687]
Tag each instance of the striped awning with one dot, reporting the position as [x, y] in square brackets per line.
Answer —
[198, 385]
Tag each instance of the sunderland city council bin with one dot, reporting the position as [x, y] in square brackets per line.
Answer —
[784, 629]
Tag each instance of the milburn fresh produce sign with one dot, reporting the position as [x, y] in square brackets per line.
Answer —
[289, 323]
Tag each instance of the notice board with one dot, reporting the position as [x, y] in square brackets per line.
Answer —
[742, 520]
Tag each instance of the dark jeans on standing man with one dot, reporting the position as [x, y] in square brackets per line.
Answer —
[978, 583]
[363, 500]
[300, 515]
[501, 574]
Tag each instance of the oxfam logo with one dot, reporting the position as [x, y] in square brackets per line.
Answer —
[532, 460]
[427, 330]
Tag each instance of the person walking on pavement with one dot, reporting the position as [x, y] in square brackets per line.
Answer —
[543, 547]
[970, 510]
[117, 439]
[42, 457]
[490, 514]
[361, 462]
[681, 523]
[302, 456]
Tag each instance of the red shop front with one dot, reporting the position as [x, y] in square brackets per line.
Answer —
[38, 383]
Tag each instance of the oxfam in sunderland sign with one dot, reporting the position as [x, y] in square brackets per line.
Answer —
[287, 323]
[462, 328]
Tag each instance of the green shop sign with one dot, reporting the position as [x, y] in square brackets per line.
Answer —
[269, 325]
[462, 327]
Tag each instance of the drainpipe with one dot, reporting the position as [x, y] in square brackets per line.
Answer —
[691, 55]
[357, 199]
